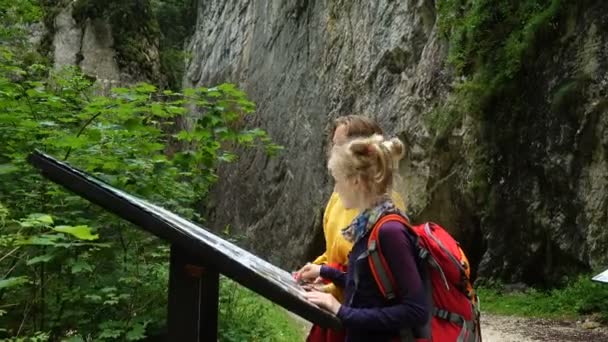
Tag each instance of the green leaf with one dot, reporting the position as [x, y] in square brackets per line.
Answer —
[184, 136]
[152, 147]
[246, 139]
[81, 266]
[41, 218]
[201, 134]
[110, 301]
[48, 123]
[175, 110]
[41, 240]
[94, 298]
[108, 289]
[80, 232]
[68, 141]
[229, 88]
[257, 132]
[144, 88]
[110, 333]
[111, 166]
[227, 157]
[93, 135]
[120, 91]
[132, 124]
[12, 282]
[137, 332]
[157, 110]
[7, 168]
[40, 259]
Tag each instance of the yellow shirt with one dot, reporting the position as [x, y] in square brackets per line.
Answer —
[336, 218]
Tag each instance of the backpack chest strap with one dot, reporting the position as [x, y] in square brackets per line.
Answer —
[448, 316]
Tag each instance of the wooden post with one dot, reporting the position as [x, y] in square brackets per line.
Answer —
[193, 299]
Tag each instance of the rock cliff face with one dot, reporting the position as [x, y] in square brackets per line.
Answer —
[89, 46]
[89, 43]
[547, 155]
[305, 63]
[521, 179]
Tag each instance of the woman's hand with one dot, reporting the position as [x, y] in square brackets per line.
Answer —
[308, 273]
[317, 285]
[324, 300]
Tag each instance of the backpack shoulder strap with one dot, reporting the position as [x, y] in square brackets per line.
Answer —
[384, 277]
[377, 263]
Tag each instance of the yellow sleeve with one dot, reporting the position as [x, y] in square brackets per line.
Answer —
[398, 200]
[322, 259]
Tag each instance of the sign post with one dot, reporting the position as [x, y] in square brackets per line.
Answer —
[193, 298]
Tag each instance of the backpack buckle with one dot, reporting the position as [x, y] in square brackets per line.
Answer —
[372, 246]
[423, 253]
[443, 314]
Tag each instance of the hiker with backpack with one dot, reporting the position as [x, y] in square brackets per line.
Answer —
[399, 273]
[336, 217]
[363, 172]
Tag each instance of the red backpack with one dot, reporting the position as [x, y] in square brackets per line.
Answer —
[455, 307]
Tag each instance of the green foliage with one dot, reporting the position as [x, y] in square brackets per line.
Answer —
[69, 270]
[245, 316]
[490, 34]
[176, 21]
[579, 297]
[489, 41]
[15, 16]
[36, 337]
[490, 44]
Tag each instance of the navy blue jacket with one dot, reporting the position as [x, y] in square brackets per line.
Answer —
[366, 314]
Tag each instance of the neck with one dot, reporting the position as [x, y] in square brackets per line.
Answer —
[372, 202]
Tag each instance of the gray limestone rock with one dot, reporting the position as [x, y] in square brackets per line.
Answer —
[544, 210]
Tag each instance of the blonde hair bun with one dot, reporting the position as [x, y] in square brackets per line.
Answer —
[396, 148]
[373, 160]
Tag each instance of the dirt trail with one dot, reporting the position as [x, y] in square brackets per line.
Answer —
[517, 329]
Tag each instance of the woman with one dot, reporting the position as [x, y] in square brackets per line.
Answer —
[363, 172]
[336, 217]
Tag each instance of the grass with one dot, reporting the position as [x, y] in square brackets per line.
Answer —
[579, 297]
[246, 316]
[286, 328]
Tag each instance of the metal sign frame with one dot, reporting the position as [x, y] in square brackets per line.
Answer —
[197, 258]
